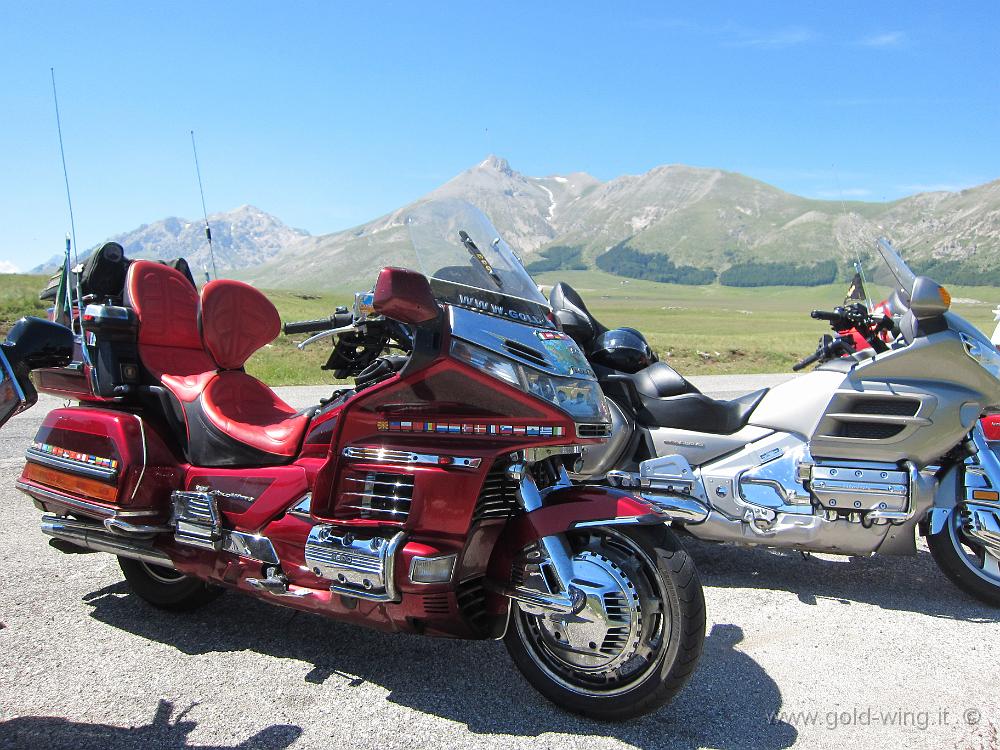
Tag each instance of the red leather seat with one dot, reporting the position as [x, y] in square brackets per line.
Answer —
[197, 350]
[236, 321]
[170, 345]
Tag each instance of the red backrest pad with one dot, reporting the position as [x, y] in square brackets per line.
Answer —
[166, 304]
[236, 321]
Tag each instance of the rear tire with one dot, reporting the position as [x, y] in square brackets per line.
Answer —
[165, 588]
[968, 565]
[666, 629]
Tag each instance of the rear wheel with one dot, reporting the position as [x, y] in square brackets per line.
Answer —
[970, 564]
[638, 637]
[165, 588]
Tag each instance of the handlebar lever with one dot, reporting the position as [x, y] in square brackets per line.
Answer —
[325, 334]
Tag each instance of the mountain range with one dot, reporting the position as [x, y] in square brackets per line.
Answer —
[697, 218]
[245, 236]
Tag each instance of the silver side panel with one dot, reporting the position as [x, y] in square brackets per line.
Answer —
[598, 459]
[700, 447]
[796, 405]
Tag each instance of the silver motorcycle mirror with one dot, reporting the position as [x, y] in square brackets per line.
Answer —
[928, 299]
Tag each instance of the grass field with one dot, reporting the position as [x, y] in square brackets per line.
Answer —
[697, 329]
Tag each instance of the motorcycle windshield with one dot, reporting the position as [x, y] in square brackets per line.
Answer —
[469, 264]
[894, 271]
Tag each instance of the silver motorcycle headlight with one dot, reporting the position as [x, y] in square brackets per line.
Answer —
[987, 356]
[582, 399]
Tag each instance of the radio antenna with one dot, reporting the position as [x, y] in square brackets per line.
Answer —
[62, 153]
[858, 265]
[208, 229]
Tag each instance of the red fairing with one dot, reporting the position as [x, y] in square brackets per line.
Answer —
[236, 321]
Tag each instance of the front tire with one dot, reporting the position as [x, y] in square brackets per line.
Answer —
[165, 588]
[639, 637]
[970, 565]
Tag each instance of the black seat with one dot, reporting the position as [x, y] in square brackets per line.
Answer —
[660, 380]
[698, 413]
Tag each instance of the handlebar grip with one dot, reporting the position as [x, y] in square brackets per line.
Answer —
[824, 315]
[308, 326]
[337, 320]
[807, 361]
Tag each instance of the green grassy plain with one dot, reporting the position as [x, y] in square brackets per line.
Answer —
[19, 296]
[700, 330]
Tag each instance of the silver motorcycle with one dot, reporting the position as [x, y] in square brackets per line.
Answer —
[855, 457]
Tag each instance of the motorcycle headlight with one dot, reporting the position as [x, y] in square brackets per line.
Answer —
[581, 399]
[986, 356]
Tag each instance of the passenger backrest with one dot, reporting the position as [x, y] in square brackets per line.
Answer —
[170, 344]
[236, 321]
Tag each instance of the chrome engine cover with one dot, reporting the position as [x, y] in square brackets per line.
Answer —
[859, 487]
[358, 566]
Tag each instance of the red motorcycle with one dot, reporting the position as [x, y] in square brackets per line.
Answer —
[432, 498]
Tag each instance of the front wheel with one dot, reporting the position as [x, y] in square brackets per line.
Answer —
[638, 637]
[166, 588]
[970, 564]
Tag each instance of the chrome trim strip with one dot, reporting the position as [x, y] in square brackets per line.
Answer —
[389, 455]
[142, 472]
[41, 493]
[119, 526]
[254, 546]
[35, 456]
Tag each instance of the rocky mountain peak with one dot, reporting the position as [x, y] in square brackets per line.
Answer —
[498, 164]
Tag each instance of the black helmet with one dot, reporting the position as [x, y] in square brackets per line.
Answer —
[623, 349]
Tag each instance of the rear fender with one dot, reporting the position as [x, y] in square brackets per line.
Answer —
[565, 510]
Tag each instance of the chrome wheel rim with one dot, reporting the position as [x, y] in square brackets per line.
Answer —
[976, 556]
[622, 633]
[160, 574]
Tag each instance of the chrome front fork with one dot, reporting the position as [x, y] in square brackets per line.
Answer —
[554, 553]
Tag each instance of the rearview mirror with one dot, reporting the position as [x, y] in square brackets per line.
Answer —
[13, 398]
[405, 296]
[928, 299]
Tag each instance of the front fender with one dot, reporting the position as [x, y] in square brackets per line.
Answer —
[566, 509]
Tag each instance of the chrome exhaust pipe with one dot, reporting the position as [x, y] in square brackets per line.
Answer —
[681, 509]
[94, 537]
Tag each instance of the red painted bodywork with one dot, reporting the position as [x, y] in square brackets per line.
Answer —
[260, 500]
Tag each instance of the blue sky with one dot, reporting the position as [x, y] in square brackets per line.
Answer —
[329, 114]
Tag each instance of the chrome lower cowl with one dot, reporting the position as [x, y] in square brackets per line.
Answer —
[358, 566]
[197, 520]
[981, 522]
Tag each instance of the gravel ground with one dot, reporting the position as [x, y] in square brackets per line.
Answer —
[816, 652]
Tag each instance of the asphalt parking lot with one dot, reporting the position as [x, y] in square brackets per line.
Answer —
[810, 652]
